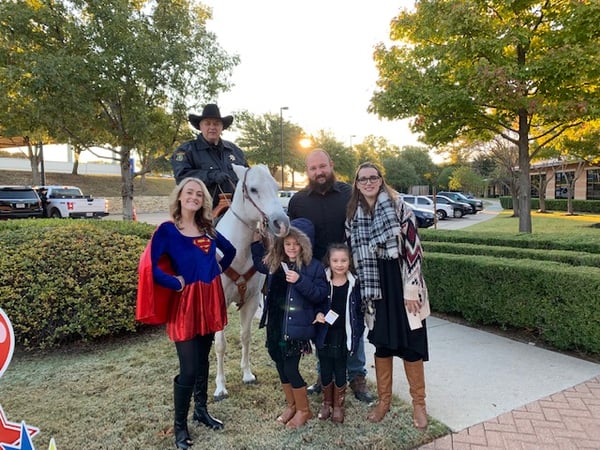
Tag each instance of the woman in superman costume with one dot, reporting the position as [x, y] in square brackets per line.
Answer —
[180, 285]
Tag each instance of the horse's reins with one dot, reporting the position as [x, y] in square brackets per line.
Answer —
[241, 280]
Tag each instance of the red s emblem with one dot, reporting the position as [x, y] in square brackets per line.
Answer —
[7, 341]
[203, 243]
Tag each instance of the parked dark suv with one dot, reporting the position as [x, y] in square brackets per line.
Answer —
[19, 202]
[475, 203]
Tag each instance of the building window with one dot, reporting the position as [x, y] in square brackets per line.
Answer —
[593, 184]
[561, 185]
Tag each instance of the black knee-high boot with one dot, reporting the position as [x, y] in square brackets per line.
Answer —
[201, 414]
[182, 396]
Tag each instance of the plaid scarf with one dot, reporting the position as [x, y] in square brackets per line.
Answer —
[372, 238]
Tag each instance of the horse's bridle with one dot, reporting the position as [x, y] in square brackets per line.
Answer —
[264, 217]
[241, 280]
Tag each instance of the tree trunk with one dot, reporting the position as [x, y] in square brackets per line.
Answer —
[75, 162]
[542, 206]
[126, 183]
[524, 180]
[514, 193]
[542, 191]
[34, 162]
[579, 171]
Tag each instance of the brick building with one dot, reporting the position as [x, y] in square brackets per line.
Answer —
[556, 175]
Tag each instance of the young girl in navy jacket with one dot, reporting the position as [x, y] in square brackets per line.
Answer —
[339, 331]
[296, 290]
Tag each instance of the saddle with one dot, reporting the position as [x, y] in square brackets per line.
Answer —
[222, 206]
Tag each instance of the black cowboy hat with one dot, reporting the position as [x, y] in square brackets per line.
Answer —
[210, 111]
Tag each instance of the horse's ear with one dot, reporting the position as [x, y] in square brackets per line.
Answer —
[239, 170]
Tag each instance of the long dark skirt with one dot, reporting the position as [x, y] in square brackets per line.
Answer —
[391, 332]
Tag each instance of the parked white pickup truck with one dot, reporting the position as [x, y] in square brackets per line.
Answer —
[69, 201]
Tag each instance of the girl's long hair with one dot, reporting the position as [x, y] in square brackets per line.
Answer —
[203, 217]
[336, 246]
[357, 199]
[276, 253]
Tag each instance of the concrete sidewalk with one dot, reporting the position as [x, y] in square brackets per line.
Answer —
[473, 376]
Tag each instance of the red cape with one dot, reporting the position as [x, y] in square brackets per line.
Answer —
[152, 300]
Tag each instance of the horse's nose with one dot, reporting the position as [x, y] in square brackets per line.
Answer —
[282, 226]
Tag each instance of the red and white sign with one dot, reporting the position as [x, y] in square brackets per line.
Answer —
[7, 341]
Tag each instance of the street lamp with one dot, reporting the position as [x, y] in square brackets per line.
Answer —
[281, 135]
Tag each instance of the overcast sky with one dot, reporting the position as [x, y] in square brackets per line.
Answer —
[313, 56]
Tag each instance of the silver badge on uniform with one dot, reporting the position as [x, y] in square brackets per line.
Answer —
[232, 158]
[179, 156]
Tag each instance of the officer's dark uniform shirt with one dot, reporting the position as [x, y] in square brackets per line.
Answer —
[202, 160]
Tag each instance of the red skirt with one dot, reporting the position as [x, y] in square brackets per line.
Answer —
[199, 309]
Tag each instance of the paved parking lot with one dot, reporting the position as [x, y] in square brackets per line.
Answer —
[491, 209]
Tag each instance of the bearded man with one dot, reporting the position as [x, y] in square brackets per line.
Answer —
[324, 203]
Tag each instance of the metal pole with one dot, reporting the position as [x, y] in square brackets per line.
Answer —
[281, 142]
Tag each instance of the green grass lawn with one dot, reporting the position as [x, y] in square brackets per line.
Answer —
[556, 223]
[558, 226]
[118, 395]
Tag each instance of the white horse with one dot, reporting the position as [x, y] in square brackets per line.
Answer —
[255, 205]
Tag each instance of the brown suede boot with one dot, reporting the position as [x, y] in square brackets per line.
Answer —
[325, 411]
[339, 398]
[303, 413]
[415, 374]
[383, 372]
[360, 389]
[289, 412]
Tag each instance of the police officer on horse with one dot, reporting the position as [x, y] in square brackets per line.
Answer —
[208, 157]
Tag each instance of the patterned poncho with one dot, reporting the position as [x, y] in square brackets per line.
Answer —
[390, 233]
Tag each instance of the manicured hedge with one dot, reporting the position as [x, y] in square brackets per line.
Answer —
[559, 204]
[573, 258]
[558, 301]
[548, 285]
[568, 242]
[65, 280]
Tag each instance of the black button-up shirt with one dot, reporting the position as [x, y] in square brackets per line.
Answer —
[326, 211]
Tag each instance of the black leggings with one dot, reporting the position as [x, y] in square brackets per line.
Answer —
[288, 369]
[333, 368]
[193, 358]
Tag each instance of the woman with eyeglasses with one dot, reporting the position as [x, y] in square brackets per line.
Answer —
[387, 253]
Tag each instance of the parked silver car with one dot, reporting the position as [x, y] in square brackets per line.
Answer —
[442, 211]
[460, 208]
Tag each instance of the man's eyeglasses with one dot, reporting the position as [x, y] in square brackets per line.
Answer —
[365, 180]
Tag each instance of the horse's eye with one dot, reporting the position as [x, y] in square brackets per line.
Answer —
[254, 190]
